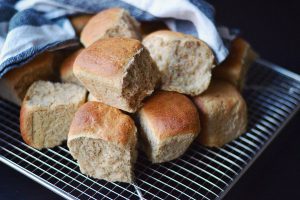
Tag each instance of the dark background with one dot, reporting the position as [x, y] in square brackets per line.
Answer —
[272, 28]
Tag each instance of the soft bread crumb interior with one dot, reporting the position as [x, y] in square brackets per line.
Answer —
[55, 94]
[127, 27]
[139, 81]
[52, 110]
[185, 64]
[51, 127]
[103, 160]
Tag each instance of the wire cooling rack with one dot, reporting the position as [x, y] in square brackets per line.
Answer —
[272, 95]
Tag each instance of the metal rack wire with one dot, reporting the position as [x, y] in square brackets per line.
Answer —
[273, 97]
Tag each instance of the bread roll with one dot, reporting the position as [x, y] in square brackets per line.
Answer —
[14, 84]
[169, 123]
[78, 22]
[118, 72]
[223, 114]
[103, 141]
[66, 69]
[114, 22]
[235, 67]
[184, 61]
[47, 111]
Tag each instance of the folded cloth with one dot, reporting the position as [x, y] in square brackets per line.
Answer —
[30, 27]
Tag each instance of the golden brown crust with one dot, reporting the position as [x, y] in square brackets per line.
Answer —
[25, 119]
[107, 21]
[223, 113]
[219, 88]
[107, 57]
[79, 22]
[219, 93]
[67, 65]
[235, 66]
[92, 30]
[170, 114]
[99, 121]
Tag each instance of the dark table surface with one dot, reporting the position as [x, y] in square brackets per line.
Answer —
[272, 27]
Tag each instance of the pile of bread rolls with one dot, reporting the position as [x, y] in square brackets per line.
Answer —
[126, 90]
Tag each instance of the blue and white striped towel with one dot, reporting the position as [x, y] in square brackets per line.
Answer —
[30, 27]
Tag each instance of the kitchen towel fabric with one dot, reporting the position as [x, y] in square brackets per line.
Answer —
[30, 27]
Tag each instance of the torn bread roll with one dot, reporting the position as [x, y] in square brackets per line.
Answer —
[169, 123]
[113, 22]
[103, 141]
[14, 84]
[118, 72]
[223, 114]
[235, 67]
[184, 61]
[66, 69]
[47, 111]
